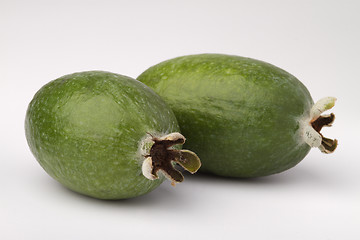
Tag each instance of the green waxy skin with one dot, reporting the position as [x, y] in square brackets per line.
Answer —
[240, 115]
[85, 130]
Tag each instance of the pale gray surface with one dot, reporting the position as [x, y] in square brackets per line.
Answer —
[317, 41]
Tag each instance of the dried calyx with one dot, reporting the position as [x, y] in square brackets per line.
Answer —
[161, 157]
[312, 135]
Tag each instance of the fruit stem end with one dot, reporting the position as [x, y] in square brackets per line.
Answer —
[161, 156]
[313, 126]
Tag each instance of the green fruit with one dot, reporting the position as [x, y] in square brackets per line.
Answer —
[92, 131]
[243, 117]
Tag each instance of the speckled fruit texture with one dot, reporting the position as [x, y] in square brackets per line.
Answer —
[85, 129]
[240, 115]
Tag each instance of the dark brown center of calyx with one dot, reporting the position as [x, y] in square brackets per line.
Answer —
[322, 121]
[162, 158]
[328, 144]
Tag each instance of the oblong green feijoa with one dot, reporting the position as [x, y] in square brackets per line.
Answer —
[92, 131]
[243, 117]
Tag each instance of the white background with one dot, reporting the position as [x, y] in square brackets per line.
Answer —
[317, 41]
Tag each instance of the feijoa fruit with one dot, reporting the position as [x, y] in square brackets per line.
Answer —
[243, 117]
[105, 135]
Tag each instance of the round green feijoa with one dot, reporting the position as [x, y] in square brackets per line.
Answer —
[105, 135]
[243, 117]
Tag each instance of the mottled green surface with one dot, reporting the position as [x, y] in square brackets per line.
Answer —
[85, 128]
[239, 115]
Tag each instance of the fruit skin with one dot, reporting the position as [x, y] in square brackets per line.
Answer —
[240, 115]
[84, 129]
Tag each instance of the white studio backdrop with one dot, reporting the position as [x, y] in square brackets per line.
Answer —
[317, 41]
